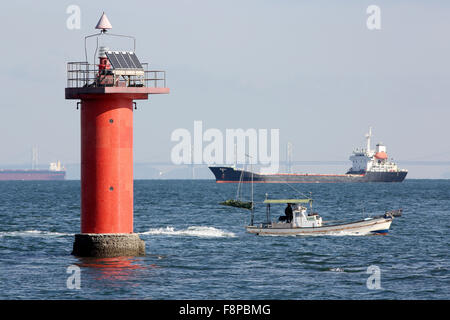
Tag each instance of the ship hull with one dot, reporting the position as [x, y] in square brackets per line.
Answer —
[231, 175]
[370, 226]
[31, 175]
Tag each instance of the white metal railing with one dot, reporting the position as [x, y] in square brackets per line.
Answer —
[83, 74]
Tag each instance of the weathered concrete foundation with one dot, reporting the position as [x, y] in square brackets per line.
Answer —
[108, 245]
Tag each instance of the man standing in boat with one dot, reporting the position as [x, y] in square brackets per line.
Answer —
[288, 213]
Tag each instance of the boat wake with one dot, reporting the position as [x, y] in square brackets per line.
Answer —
[194, 231]
[33, 233]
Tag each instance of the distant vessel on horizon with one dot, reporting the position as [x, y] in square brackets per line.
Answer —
[367, 166]
[55, 171]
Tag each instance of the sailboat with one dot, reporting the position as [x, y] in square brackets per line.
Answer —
[302, 221]
[238, 202]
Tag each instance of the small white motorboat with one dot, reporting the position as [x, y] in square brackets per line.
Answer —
[302, 223]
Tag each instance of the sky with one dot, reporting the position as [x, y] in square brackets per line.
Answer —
[311, 69]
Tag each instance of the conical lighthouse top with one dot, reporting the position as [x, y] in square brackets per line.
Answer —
[103, 24]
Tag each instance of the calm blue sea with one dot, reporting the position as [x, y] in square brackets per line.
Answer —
[197, 249]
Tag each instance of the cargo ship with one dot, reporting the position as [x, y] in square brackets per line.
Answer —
[55, 172]
[367, 166]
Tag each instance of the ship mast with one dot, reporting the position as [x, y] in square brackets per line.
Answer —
[368, 136]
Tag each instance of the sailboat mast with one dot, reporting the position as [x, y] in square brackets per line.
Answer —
[267, 210]
[252, 183]
[251, 216]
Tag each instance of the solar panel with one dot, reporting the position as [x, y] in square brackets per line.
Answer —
[135, 60]
[124, 60]
[123, 64]
[113, 60]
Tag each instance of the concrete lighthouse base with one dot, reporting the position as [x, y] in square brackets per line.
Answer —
[108, 245]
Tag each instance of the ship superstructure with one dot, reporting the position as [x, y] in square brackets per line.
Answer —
[368, 160]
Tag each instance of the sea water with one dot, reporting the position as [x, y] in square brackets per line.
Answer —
[198, 249]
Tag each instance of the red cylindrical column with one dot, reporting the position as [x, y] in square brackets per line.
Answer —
[107, 164]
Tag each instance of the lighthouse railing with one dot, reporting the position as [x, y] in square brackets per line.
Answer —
[83, 74]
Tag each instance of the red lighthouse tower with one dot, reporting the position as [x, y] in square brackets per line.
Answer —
[107, 90]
